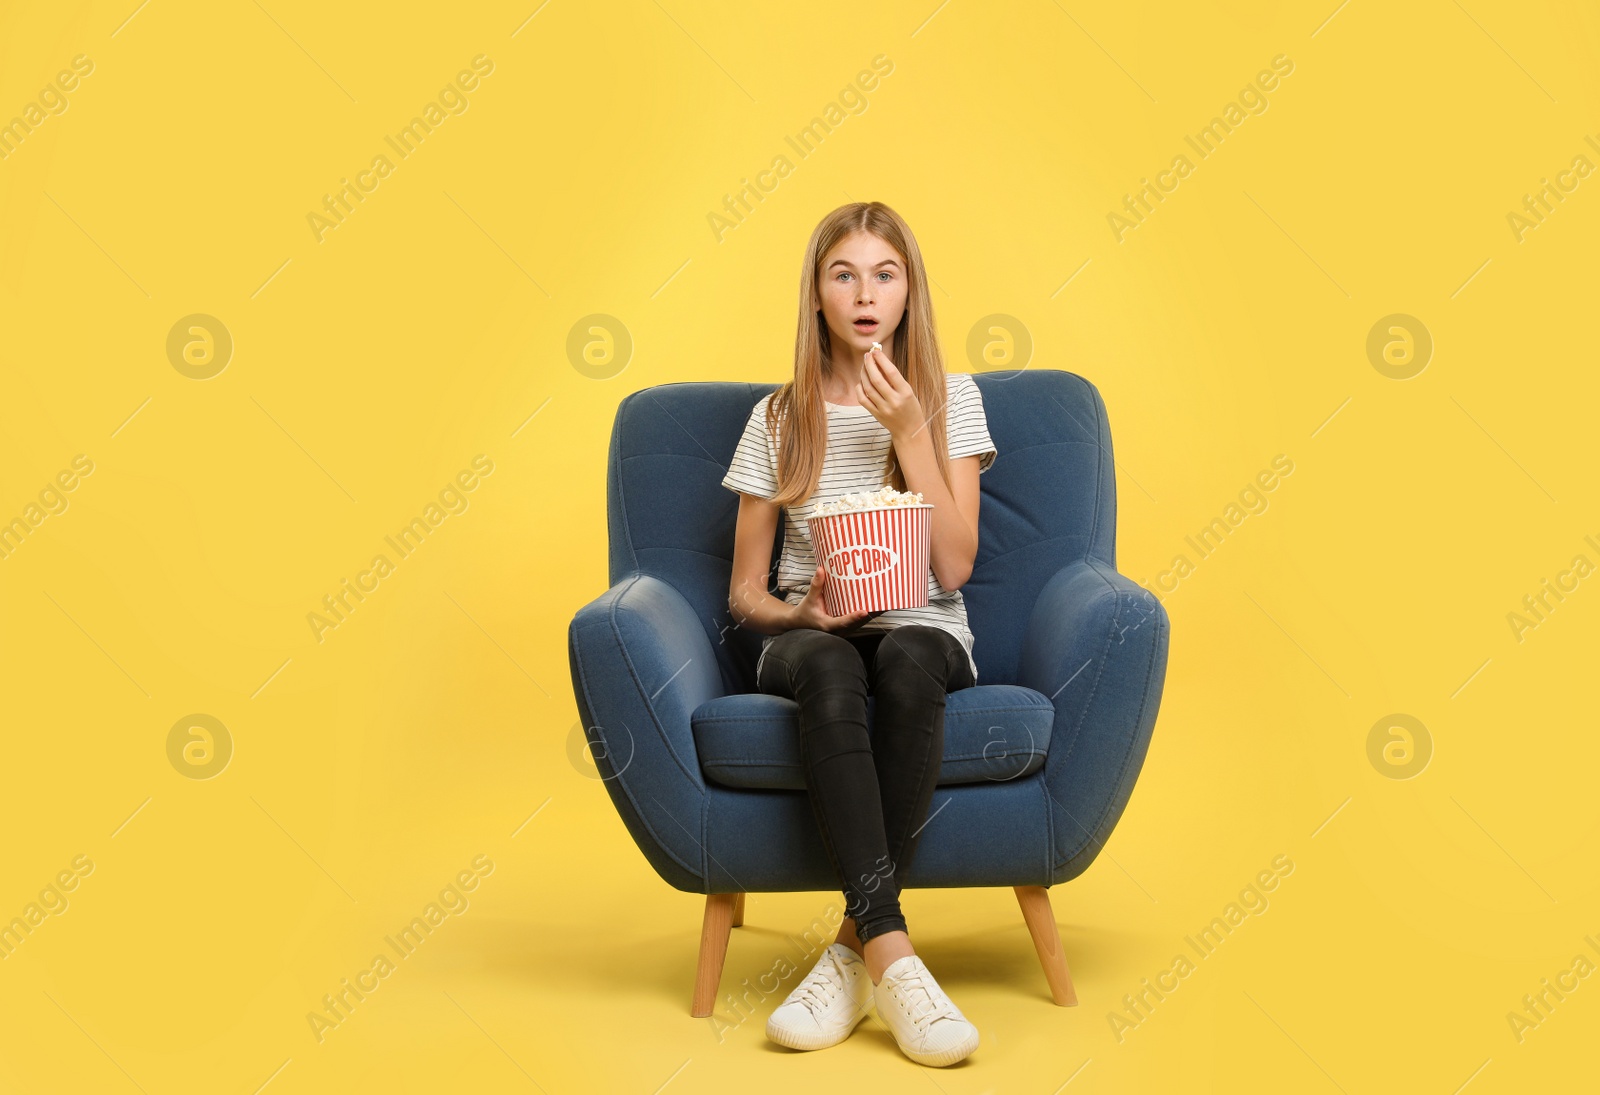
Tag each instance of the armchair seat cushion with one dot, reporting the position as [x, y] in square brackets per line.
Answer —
[992, 732]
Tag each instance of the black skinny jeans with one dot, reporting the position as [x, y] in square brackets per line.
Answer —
[871, 795]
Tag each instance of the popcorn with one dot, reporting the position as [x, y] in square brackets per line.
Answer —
[875, 547]
[875, 499]
[877, 345]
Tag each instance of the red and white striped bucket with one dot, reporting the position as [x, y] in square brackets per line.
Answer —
[877, 558]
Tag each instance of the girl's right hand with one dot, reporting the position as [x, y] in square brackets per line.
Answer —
[812, 611]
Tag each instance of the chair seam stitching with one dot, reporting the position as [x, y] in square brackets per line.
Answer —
[1095, 684]
[638, 808]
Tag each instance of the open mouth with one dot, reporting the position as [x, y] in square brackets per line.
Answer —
[866, 325]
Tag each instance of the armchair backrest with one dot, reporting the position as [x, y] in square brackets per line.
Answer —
[1048, 500]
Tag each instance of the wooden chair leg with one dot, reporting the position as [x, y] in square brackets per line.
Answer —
[738, 911]
[1035, 902]
[714, 931]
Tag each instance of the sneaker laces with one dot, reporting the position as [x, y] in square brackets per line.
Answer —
[821, 983]
[919, 987]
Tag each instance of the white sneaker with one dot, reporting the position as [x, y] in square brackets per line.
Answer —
[929, 1028]
[826, 1005]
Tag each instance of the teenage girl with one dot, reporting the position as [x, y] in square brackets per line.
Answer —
[871, 404]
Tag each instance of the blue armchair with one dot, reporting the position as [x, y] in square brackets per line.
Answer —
[1040, 756]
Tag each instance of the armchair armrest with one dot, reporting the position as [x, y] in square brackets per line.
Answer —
[1096, 645]
[642, 662]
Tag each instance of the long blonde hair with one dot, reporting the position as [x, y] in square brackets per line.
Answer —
[915, 353]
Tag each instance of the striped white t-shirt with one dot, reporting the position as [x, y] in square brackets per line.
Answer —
[858, 446]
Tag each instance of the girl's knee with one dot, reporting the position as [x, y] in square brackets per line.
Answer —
[923, 646]
[824, 653]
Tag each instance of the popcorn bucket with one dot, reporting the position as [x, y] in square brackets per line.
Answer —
[877, 557]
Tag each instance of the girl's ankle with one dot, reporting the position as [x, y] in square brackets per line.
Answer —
[895, 946]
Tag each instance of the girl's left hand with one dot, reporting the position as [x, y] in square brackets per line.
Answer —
[888, 395]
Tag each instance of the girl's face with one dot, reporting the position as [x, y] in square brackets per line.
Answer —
[863, 278]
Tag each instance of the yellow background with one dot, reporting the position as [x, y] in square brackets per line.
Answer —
[369, 368]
